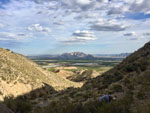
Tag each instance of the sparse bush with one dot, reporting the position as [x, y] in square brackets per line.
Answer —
[109, 78]
[117, 76]
[18, 105]
[117, 88]
[144, 107]
[143, 64]
[130, 86]
[88, 73]
[3, 78]
[140, 95]
[130, 68]
[94, 106]
[146, 77]
[126, 81]
[1, 93]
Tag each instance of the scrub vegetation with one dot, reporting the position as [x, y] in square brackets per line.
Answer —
[129, 81]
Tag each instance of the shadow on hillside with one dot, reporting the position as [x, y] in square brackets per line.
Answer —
[24, 103]
[40, 92]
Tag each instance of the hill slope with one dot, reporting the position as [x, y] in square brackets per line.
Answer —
[129, 81]
[133, 66]
[18, 75]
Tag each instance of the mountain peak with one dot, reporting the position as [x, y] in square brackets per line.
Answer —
[76, 55]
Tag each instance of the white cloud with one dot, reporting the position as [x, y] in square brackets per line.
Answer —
[84, 2]
[105, 1]
[118, 8]
[83, 33]
[7, 36]
[38, 27]
[130, 34]
[108, 25]
[134, 38]
[129, 1]
[115, 10]
[132, 6]
[1, 25]
[59, 23]
[146, 34]
[74, 5]
[140, 36]
[140, 6]
[80, 36]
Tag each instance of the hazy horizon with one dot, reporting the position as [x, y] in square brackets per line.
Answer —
[74, 51]
[60, 26]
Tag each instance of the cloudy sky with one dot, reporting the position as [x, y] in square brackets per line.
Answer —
[90, 26]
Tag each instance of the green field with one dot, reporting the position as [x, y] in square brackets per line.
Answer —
[74, 62]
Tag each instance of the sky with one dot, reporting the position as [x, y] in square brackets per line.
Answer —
[57, 26]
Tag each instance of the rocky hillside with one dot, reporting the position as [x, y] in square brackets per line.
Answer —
[18, 75]
[133, 67]
[129, 81]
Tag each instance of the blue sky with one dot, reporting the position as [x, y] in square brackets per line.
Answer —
[58, 26]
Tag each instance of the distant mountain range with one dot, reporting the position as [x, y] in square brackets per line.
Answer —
[79, 56]
[76, 55]
[121, 55]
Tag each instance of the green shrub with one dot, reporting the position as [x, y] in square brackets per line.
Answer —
[54, 70]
